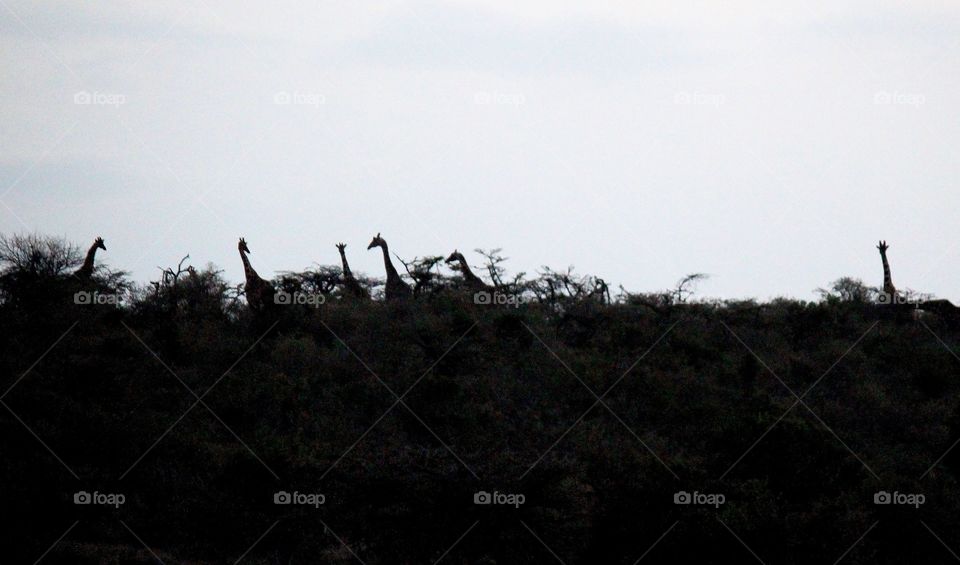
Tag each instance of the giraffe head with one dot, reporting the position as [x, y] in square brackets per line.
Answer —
[341, 247]
[99, 243]
[883, 247]
[377, 241]
[455, 256]
[242, 246]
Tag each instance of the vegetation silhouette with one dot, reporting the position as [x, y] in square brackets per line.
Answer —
[599, 409]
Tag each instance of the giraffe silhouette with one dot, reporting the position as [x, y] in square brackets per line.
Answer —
[457, 261]
[889, 291]
[350, 283]
[395, 289]
[258, 291]
[919, 309]
[86, 270]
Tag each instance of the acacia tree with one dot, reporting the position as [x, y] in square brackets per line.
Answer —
[37, 255]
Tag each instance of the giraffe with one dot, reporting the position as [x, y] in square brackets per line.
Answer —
[86, 270]
[470, 280]
[259, 292]
[396, 289]
[350, 283]
[889, 291]
[919, 309]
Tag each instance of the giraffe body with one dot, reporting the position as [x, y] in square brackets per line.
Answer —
[350, 283]
[395, 288]
[258, 291]
[86, 270]
[889, 291]
[470, 280]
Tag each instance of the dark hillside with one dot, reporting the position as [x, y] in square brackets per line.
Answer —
[199, 412]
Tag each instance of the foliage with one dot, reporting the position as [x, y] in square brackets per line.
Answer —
[694, 396]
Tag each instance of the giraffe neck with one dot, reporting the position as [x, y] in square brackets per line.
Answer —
[887, 278]
[346, 267]
[248, 271]
[467, 273]
[392, 274]
[87, 268]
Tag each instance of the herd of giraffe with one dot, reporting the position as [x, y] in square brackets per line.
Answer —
[259, 292]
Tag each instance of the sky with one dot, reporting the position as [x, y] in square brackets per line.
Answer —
[769, 146]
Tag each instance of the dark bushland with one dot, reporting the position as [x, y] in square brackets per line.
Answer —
[695, 397]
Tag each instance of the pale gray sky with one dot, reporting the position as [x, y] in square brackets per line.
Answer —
[767, 145]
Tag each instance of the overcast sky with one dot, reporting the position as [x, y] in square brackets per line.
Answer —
[767, 144]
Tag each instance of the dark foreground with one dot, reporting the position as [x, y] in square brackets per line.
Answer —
[782, 425]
